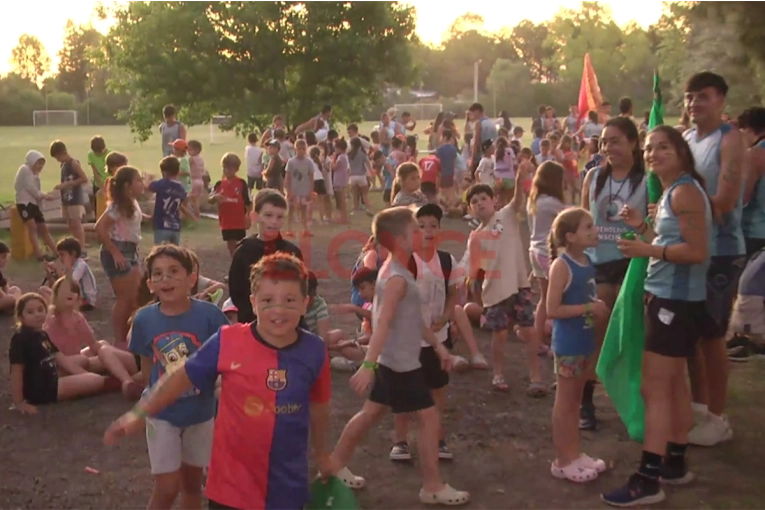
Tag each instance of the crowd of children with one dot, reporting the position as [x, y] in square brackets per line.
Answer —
[206, 372]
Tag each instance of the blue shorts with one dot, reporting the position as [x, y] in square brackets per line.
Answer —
[128, 250]
[167, 237]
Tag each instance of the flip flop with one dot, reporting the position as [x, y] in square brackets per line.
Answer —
[498, 383]
[536, 390]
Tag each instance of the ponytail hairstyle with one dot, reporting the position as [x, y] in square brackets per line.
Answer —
[355, 147]
[118, 191]
[637, 172]
[548, 180]
[403, 171]
[567, 222]
[500, 148]
[315, 154]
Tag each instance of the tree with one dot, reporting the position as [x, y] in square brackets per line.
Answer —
[528, 40]
[509, 83]
[251, 60]
[76, 59]
[29, 58]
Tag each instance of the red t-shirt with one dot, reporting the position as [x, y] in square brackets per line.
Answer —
[430, 168]
[232, 206]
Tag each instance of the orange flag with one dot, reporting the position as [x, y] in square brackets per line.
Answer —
[589, 92]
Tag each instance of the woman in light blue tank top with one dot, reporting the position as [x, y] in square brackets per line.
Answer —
[752, 125]
[678, 246]
[606, 190]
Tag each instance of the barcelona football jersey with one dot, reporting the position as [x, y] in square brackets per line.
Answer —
[260, 449]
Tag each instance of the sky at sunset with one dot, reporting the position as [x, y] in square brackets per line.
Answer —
[46, 20]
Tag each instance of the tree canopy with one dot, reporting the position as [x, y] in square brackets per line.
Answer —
[251, 60]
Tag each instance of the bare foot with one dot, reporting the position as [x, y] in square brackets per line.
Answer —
[132, 390]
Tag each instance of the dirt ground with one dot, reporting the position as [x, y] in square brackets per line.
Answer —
[502, 442]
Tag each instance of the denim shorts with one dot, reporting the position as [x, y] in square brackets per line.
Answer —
[128, 250]
[163, 236]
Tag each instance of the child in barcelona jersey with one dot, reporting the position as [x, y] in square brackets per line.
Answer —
[275, 389]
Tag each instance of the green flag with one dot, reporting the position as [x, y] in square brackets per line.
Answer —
[620, 363]
[657, 109]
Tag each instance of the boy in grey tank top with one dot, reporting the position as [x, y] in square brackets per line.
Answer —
[170, 130]
[73, 196]
[392, 364]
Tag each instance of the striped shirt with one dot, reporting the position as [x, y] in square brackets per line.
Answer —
[316, 312]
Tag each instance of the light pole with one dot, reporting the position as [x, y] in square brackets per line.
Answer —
[87, 105]
[475, 80]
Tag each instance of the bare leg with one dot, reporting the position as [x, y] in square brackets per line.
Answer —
[530, 338]
[75, 226]
[716, 368]
[356, 429]
[565, 420]
[47, 238]
[166, 489]
[541, 316]
[32, 231]
[465, 330]
[697, 376]
[191, 487]
[498, 341]
[80, 385]
[126, 293]
[427, 446]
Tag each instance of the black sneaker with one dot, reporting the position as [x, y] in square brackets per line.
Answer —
[675, 476]
[637, 491]
[400, 452]
[738, 341]
[587, 420]
[444, 453]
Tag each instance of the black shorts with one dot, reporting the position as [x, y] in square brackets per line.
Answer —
[722, 288]
[254, 182]
[673, 327]
[435, 376]
[403, 392]
[386, 195]
[611, 273]
[319, 187]
[429, 189]
[753, 246]
[30, 212]
[42, 394]
[236, 234]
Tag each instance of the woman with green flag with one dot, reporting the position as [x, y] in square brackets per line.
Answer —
[620, 181]
[677, 243]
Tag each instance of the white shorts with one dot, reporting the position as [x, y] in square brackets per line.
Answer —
[358, 180]
[170, 446]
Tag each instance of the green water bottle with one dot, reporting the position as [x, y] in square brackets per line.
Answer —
[629, 235]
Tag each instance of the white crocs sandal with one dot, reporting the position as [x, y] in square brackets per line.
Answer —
[478, 362]
[350, 480]
[575, 472]
[447, 496]
[599, 465]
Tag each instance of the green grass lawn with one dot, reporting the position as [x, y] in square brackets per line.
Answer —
[16, 141]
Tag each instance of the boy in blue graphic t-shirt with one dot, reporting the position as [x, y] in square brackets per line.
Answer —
[169, 202]
[164, 335]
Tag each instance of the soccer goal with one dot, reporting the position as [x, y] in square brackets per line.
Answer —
[54, 118]
[420, 111]
[215, 122]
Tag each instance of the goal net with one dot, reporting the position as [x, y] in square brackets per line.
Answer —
[420, 111]
[54, 118]
[216, 121]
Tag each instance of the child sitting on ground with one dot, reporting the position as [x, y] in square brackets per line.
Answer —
[353, 350]
[72, 265]
[230, 311]
[8, 294]
[35, 362]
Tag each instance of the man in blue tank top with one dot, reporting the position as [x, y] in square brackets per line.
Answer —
[752, 125]
[717, 150]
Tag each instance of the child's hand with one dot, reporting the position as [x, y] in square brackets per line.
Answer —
[127, 424]
[49, 197]
[438, 325]
[328, 466]
[362, 379]
[59, 186]
[247, 222]
[599, 309]
[632, 217]
[447, 361]
[119, 260]
[26, 408]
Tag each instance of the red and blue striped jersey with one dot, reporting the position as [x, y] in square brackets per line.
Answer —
[260, 449]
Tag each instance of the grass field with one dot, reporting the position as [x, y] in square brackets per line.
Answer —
[16, 141]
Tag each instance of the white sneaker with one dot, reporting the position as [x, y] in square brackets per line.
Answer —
[711, 431]
[700, 412]
[342, 364]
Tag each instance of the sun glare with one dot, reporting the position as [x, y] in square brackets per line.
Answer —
[434, 17]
